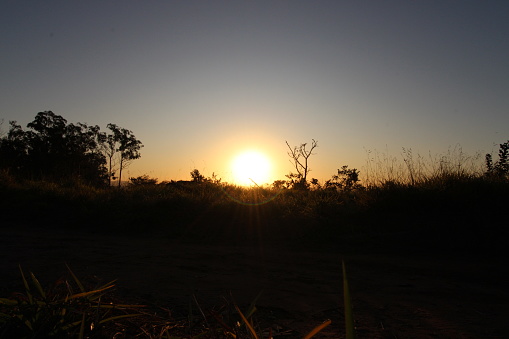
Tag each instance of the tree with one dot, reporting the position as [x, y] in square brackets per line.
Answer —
[2, 133]
[53, 150]
[123, 142]
[300, 160]
[501, 167]
[109, 149]
[347, 179]
[14, 150]
[197, 176]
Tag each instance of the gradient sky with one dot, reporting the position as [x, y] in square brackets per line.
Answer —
[200, 81]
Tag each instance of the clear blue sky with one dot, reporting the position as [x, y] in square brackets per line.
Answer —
[200, 81]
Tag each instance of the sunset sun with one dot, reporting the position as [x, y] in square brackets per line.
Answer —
[250, 168]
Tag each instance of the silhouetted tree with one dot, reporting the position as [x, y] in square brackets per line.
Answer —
[347, 179]
[501, 167]
[197, 176]
[123, 142]
[109, 149]
[52, 149]
[299, 159]
[280, 184]
[14, 150]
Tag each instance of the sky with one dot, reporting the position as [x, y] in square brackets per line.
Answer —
[199, 82]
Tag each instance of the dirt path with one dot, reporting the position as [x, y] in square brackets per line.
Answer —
[394, 296]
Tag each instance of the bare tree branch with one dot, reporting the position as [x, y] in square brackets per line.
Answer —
[300, 159]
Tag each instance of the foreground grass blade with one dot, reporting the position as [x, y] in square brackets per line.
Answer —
[199, 309]
[82, 327]
[38, 286]
[248, 324]
[85, 294]
[349, 324]
[27, 288]
[132, 315]
[76, 280]
[252, 307]
[318, 329]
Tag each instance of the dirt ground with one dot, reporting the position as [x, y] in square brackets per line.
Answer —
[394, 296]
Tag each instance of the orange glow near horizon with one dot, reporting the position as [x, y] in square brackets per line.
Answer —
[251, 167]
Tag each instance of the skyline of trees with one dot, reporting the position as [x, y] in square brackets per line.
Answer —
[52, 149]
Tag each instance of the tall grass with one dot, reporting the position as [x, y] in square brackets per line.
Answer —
[414, 169]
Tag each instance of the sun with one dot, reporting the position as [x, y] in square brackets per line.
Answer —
[251, 167]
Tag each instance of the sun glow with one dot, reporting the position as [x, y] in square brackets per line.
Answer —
[251, 168]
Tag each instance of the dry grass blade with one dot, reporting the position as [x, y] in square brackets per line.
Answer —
[120, 317]
[82, 327]
[200, 309]
[248, 324]
[84, 294]
[317, 329]
[221, 322]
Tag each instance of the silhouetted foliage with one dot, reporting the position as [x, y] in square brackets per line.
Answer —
[142, 180]
[121, 141]
[501, 167]
[346, 180]
[299, 158]
[280, 184]
[53, 150]
[197, 176]
[296, 181]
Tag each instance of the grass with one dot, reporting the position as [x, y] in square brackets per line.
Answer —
[66, 310]
[70, 310]
[435, 203]
[450, 196]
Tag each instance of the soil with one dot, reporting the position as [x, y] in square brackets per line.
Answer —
[398, 295]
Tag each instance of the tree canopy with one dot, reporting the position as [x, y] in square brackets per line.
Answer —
[52, 149]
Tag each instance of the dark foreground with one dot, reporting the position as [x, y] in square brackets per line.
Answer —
[396, 294]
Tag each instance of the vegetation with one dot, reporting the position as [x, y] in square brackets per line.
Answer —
[66, 310]
[452, 198]
[61, 171]
[300, 160]
[70, 310]
[52, 150]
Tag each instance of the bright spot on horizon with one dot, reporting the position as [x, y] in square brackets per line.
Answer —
[251, 167]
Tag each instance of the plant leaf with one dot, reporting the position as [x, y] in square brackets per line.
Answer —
[76, 280]
[38, 285]
[349, 323]
[318, 329]
[84, 294]
[120, 317]
[252, 307]
[251, 329]
[27, 288]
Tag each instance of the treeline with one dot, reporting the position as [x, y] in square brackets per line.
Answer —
[51, 149]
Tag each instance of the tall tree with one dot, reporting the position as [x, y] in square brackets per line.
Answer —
[53, 150]
[109, 149]
[14, 150]
[126, 145]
